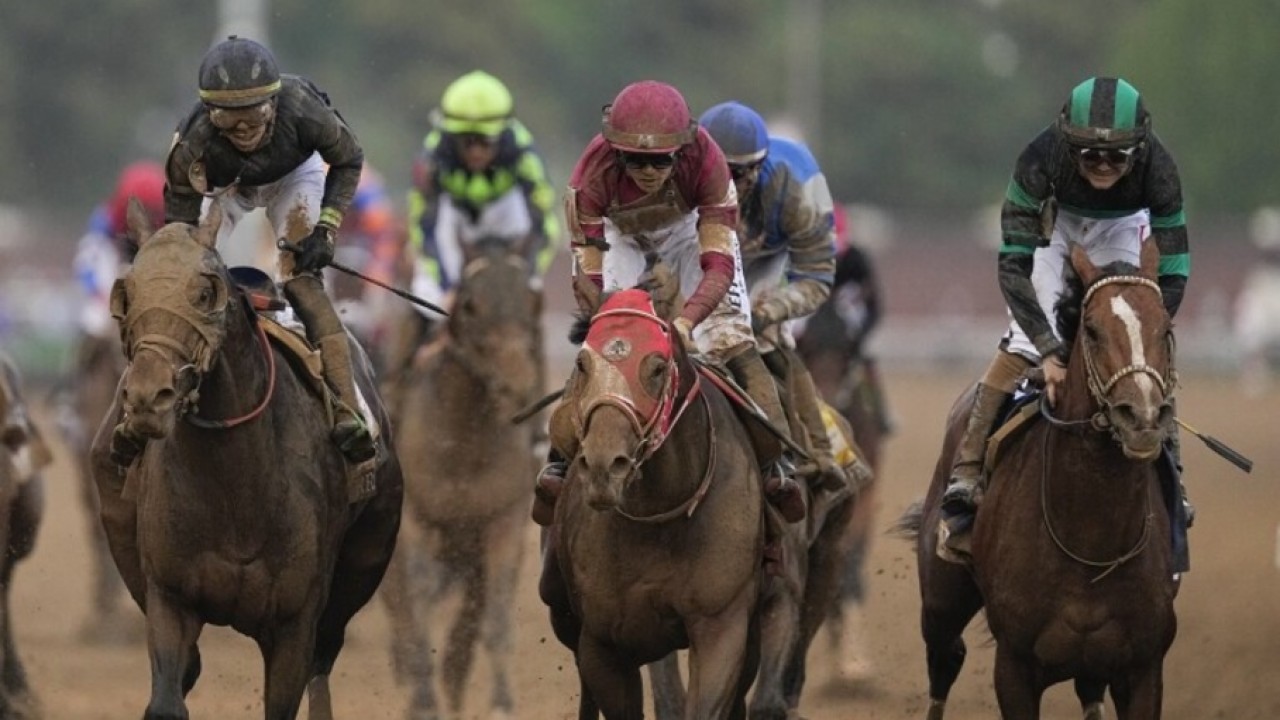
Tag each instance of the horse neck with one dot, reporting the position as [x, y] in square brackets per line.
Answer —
[237, 379]
[676, 470]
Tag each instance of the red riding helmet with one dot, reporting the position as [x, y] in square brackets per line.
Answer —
[144, 180]
[648, 117]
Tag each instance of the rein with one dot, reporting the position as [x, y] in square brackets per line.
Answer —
[266, 400]
[687, 507]
[1099, 422]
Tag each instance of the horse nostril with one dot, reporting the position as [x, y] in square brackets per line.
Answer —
[621, 465]
[1124, 414]
[164, 400]
[1165, 417]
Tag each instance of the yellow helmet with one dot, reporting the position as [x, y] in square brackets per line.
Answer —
[475, 103]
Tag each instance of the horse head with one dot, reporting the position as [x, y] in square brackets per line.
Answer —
[1122, 346]
[630, 384]
[172, 310]
[494, 322]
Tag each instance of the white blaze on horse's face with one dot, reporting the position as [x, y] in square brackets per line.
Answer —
[1137, 353]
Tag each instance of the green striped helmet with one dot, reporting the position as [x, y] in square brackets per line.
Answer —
[1104, 112]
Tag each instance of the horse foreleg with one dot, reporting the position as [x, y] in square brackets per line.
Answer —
[668, 687]
[504, 554]
[1140, 696]
[717, 658]
[1018, 688]
[410, 647]
[1091, 694]
[779, 619]
[172, 632]
[463, 545]
[287, 652]
[613, 683]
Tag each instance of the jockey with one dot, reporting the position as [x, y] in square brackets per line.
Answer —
[1099, 177]
[654, 181]
[786, 233]
[259, 139]
[105, 246]
[478, 175]
[854, 309]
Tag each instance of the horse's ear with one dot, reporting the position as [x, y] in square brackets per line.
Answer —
[207, 233]
[586, 293]
[138, 221]
[1085, 268]
[1150, 259]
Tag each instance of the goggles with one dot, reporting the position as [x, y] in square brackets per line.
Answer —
[229, 118]
[657, 161]
[1110, 156]
[739, 171]
[470, 140]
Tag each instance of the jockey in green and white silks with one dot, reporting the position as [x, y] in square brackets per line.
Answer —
[1097, 176]
[478, 175]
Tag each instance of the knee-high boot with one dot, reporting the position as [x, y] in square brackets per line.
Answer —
[749, 370]
[961, 495]
[324, 329]
[804, 398]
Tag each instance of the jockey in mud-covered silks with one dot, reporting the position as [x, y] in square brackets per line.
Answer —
[653, 181]
[259, 139]
[787, 234]
[1098, 177]
[478, 175]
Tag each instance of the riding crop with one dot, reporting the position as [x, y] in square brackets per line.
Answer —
[286, 245]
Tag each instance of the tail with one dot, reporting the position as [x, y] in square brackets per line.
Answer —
[908, 526]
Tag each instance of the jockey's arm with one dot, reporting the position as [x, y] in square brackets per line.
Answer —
[808, 223]
[540, 198]
[1169, 227]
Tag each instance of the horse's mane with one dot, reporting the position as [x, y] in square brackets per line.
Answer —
[1068, 306]
[582, 322]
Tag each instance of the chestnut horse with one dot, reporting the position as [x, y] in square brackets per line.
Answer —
[658, 535]
[1071, 551]
[236, 512]
[467, 470]
[21, 509]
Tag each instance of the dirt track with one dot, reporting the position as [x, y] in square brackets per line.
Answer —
[1224, 664]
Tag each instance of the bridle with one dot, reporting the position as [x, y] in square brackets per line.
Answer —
[1100, 421]
[194, 363]
[653, 430]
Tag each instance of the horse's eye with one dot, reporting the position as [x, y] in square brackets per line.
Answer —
[1092, 333]
[202, 294]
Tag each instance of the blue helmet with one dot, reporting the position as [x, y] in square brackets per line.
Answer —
[738, 130]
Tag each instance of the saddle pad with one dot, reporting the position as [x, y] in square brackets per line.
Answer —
[298, 348]
[1015, 421]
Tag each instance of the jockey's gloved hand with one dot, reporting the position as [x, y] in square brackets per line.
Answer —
[766, 313]
[316, 250]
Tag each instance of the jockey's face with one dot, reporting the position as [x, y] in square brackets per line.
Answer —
[648, 170]
[745, 177]
[477, 151]
[245, 127]
[1103, 168]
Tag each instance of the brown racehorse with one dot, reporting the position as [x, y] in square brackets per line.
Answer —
[99, 366]
[236, 512]
[1071, 551]
[658, 535]
[21, 509]
[467, 470]
[846, 380]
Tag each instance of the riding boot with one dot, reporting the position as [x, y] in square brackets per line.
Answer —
[350, 433]
[1174, 445]
[780, 487]
[547, 488]
[875, 389]
[963, 491]
[831, 476]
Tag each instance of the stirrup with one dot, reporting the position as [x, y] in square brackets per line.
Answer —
[784, 493]
[355, 441]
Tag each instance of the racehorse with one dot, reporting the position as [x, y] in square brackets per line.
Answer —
[21, 509]
[845, 378]
[236, 512]
[1071, 551]
[657, 539]
[467, 475]
[99, 366]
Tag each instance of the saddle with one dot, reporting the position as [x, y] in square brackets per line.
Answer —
[287, 333]
[1023, 411]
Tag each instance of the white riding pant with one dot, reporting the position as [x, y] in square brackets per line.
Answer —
[727, 330]
[455, 231]
[1105, 240]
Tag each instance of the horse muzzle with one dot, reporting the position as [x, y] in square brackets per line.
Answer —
[1142, 430]
[604, 478]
